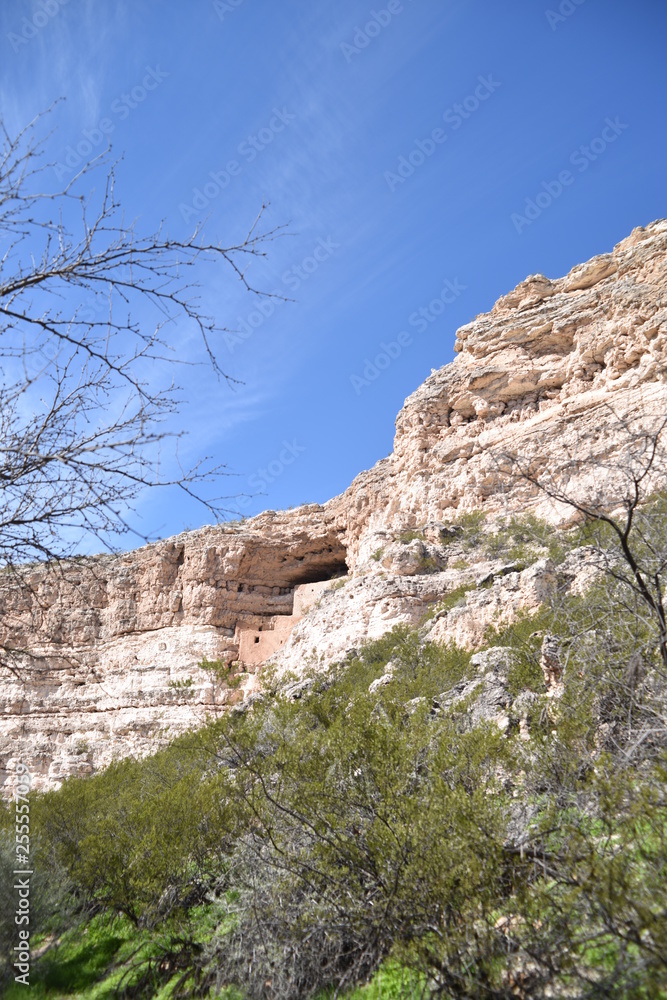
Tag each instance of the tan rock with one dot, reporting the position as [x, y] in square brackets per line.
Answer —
[116, 641]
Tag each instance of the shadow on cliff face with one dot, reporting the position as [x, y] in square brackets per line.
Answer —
[324, 570]
[294, 557]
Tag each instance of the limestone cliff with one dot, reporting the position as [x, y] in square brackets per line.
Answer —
[114, 643]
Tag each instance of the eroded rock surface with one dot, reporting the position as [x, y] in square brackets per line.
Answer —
[116, 642]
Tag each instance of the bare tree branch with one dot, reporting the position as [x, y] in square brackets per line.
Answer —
[621, 494]
[84, 407]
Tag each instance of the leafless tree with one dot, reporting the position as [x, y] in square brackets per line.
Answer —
[620, 490]
[91, 312]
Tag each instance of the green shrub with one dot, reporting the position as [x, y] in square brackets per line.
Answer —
[454, 599]
[471, 528]
[520, 539]
[348, 834]
[411, 535]
[524, 636]
[224, 671]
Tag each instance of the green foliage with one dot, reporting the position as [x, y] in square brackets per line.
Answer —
[470, 528]
[391, 982]
[49, 893]
[377, 555]
[361, 806]
[524, 636]
[411, 535]
[104, 957]
[523, 539]
[218, 667]
[224, 671]
[132, 837]
[351, 838]
[593, 532]
[84, 957]
[456, 598]
[519, 539]
[421, 670]
[631, 543]
[605, 848]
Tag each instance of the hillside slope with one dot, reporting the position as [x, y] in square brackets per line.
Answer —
[116, 643]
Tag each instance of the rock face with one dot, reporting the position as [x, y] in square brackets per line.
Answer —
[108, 650]
[116, 643]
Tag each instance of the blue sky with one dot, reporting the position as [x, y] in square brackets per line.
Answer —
[397, 141]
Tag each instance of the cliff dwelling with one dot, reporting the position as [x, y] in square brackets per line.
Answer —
[258, 644]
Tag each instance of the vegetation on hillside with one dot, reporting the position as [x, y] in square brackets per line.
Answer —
[307, 847]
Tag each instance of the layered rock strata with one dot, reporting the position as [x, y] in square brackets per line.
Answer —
[108, 650]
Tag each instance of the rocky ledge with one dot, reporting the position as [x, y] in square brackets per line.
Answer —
[105, 655]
